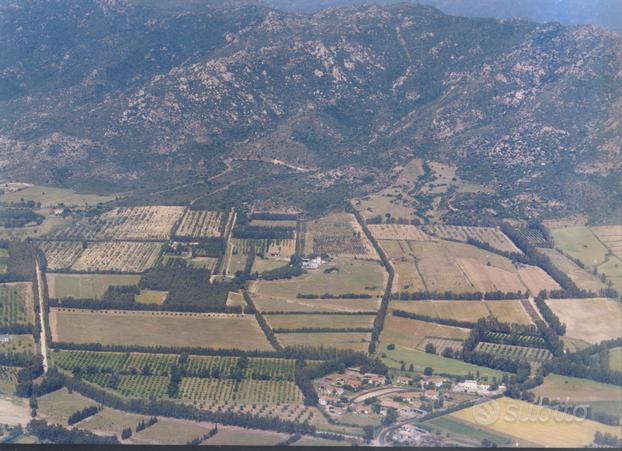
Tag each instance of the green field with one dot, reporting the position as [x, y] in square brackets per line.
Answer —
[581, 278]
[51, 197]
[271, 304]
[4, 260]
[8, 379]
[18, 343]
[441, 365]
[615, 359]
[110, 421]
[85, 286]
[579, 242]
[158, 329]
[151, 296]
[465, 431]
[600, 397]
[170, 432]
[231, 435]
[351, 276]
[57, 406]
[13, 305]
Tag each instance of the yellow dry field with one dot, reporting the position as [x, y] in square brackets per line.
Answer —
[231, 435]
[149, 328]
[582, 278]
[407, 277]
[591, 320]
[611, 236]
[489, 235]
[506, 310]
[151, 296]
[357, 341]
[489, 278]
[540, 425]
[536, 279]
[337, 234]
[398, 232]
[200, 224]
[411, 333]
[320, 321]
[274, 223]
[235, 299]
[109, 421]
[509, 311]
[267, 264]
[170, 431]
[271, 304]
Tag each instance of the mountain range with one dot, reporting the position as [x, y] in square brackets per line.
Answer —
[137, 95]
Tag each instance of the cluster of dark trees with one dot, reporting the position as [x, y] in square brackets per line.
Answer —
[198, 440]
[334, 296]
[80, 415]
[265, 216]
[31, 369]
[431, 319]
[19, 217]
[58, 434]
[188, 287]
[142, 425]
[549, 316]
[263, 232]
[553, 342]
[98, 304]
[284, 272]
[589, 363]
[17, 329]
[607, 439]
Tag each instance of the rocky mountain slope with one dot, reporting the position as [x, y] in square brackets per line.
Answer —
[122, 93]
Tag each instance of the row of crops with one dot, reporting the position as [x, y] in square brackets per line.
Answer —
[12, 308]
[515, 339]
[515, 352]
[193, 388]
[160, 364]
[200, 389]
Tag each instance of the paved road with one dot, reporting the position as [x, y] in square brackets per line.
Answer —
[378, 392]
[43, 337]
[381, 440]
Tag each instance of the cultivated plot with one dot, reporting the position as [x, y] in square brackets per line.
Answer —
[118, 256]
[591, 320]
[337, 234]
[198, 224]
[60, 254]
[611, 236]
[197, 330]
[404, 232]
[492, 236]
[16, 304]
[126, 223]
